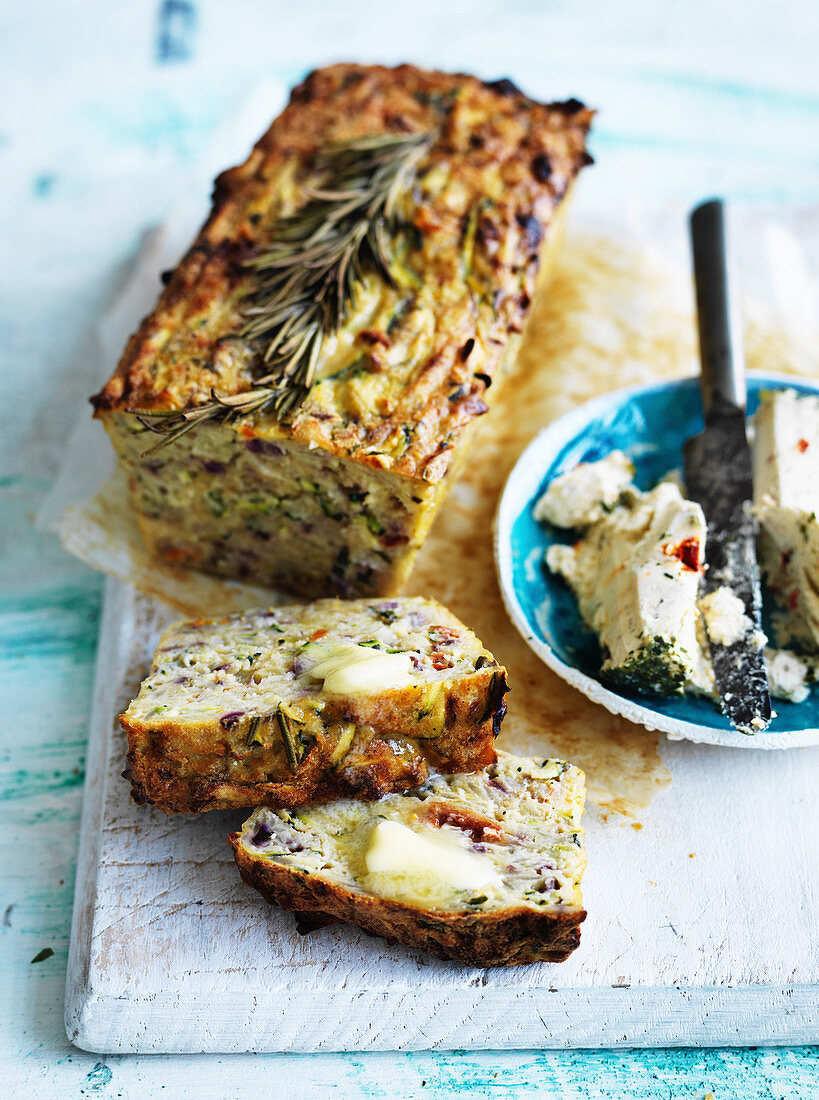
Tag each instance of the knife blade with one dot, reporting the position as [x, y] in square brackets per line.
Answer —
[718, 476]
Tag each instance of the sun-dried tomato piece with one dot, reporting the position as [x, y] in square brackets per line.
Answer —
[479, 828]
[686, 552]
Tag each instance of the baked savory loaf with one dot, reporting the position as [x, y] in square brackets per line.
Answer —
[289, 705]
[482, 868]
[336, 495]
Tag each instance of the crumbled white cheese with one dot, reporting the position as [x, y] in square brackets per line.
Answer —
[725, 618]
[789, 675]
[562, 559]
[786, 502]
[582, 495]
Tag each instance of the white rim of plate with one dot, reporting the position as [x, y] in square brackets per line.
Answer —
[524, 480]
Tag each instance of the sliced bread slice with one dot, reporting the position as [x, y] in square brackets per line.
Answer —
[482, 868]
[297, 704]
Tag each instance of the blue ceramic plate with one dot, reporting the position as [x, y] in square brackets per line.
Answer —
[649, 423]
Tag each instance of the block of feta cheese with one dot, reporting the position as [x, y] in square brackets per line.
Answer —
[786, 502]
[336, 495]
[586, 492]
[636, 573]
[482, 868]
[289, 705]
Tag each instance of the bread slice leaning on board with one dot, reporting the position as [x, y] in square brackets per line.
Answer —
[295, 704]
[482, 868]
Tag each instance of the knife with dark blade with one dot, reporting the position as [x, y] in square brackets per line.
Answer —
[718, 475]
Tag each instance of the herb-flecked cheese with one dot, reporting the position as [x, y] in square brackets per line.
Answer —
[652, 624]
[584, 494]
[635, 572]
[786, 502]
[789, 674]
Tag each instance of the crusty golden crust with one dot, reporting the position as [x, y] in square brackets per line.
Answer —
[506, 162]
[507, 938]
[380, 768]
[179, 770]
[172, 788]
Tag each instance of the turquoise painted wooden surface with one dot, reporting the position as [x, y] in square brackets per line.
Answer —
[110, 114]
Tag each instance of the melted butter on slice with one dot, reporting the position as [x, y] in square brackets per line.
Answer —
[428, 868]
[350, 669]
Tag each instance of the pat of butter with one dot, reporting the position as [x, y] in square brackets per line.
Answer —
[409, 864]
[354, 668]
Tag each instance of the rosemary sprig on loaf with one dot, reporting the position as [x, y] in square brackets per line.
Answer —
[305, 281]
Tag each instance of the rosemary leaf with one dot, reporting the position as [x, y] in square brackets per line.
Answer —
[304, 282]
[253, 739]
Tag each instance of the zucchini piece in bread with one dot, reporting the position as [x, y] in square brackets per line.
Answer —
[290, 705]
[482, 868]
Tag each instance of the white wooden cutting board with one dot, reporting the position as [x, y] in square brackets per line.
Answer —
[703, 926]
